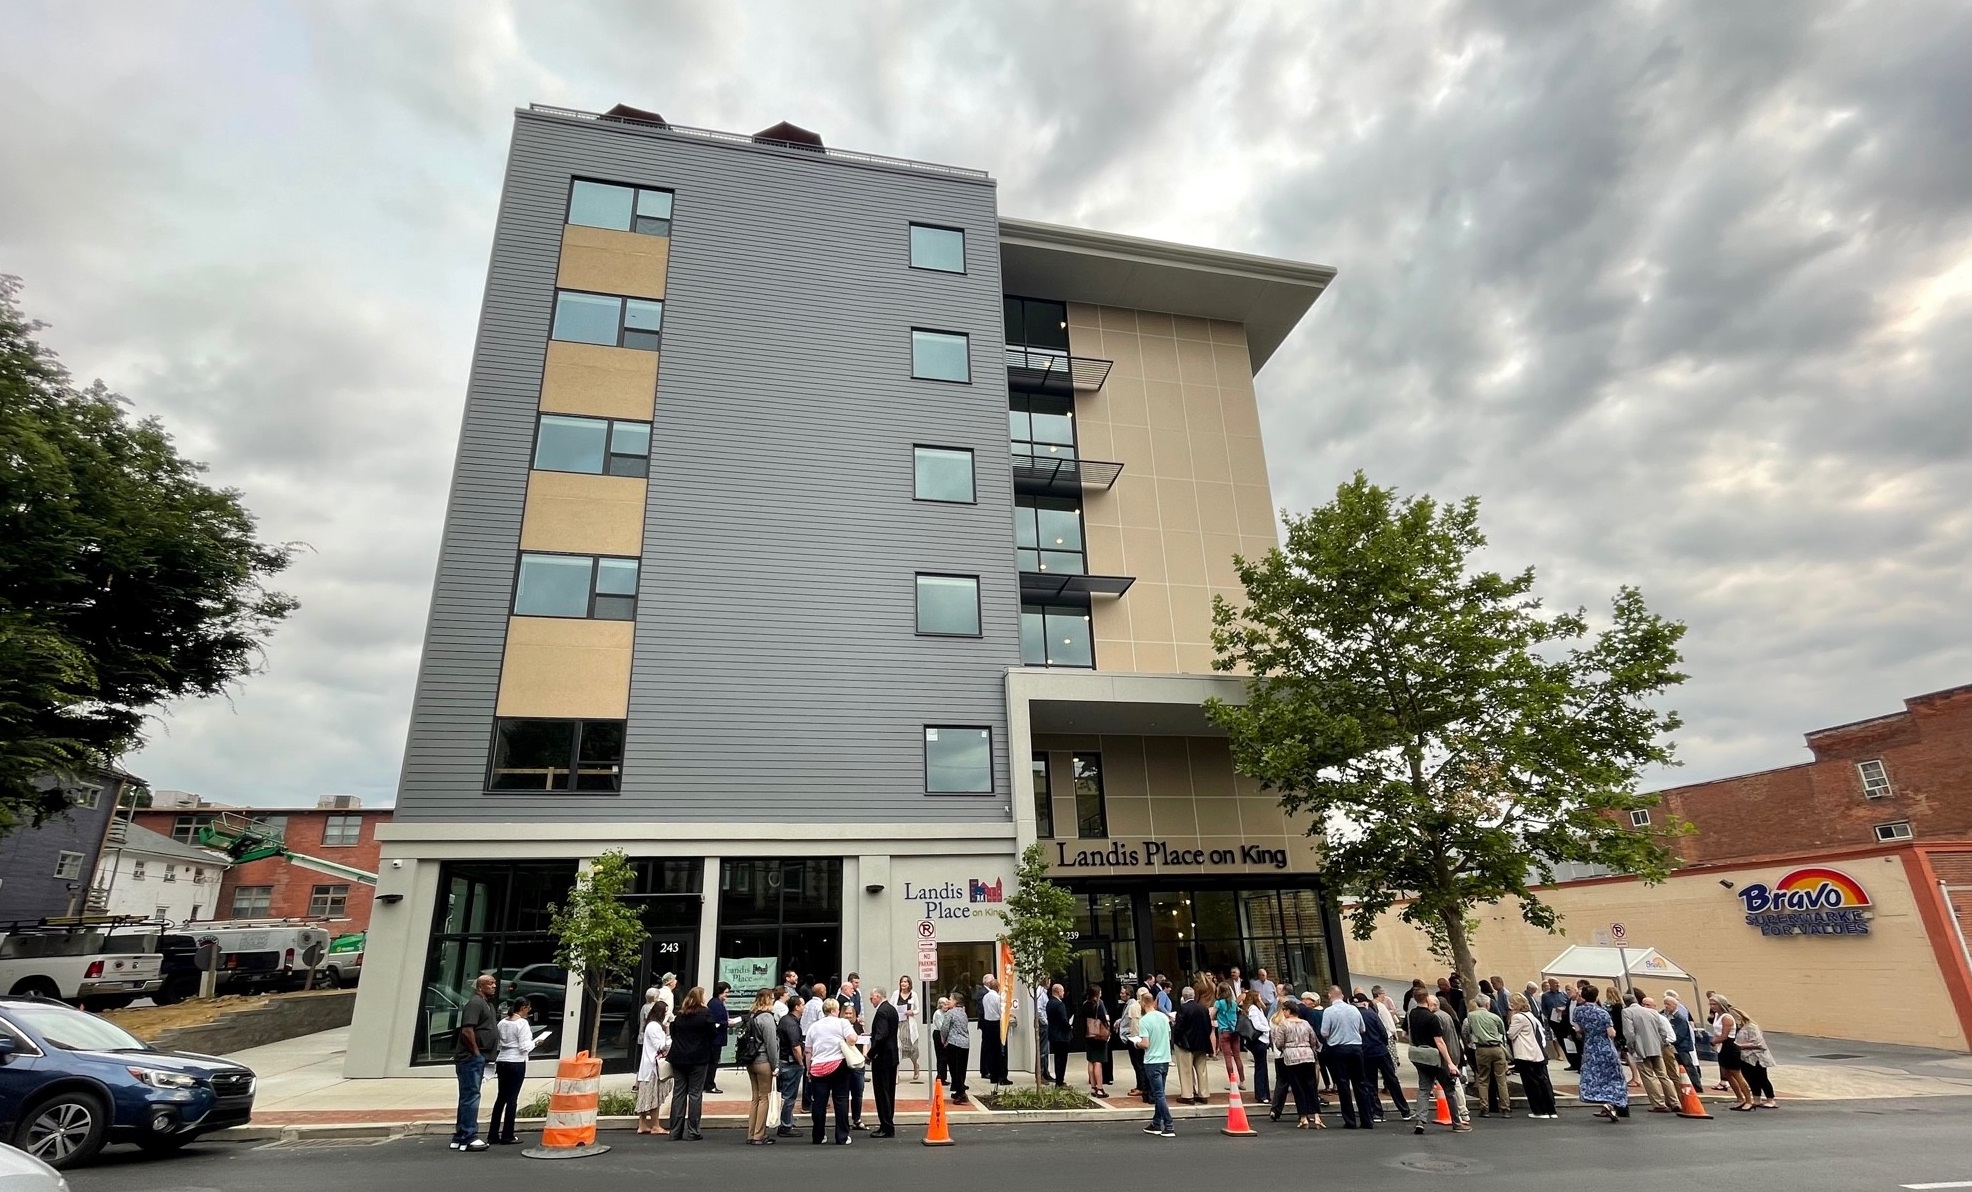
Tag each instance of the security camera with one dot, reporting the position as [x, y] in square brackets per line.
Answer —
[397, 864]
[874, 888]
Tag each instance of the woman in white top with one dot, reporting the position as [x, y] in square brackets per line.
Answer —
[517, 1040]
[906, 1002]
[826, 1042]
[653, 1070]
[1526, 1047]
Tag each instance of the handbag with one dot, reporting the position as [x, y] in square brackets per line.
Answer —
[1098, 1031]
[1425, 1057]
[852, 1055]
[663, 1068]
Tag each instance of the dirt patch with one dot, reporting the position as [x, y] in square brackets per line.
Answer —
[148, 1022]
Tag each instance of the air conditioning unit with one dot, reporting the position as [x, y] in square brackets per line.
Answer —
[339, 803]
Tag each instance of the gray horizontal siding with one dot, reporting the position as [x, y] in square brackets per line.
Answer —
[777, 674]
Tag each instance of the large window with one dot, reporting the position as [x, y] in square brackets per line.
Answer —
[1282, 931]
[68, 865]
[608, 320]
[943, 474]
[557, 755]
[1055, 635]
[492, 917]
[1041, 427]
[941, 249]
[1875, 778]
[622, 208]
[342, 831]
[185, 828]
[328, 902]
[1043, 798]
[576, 586]
[940, 356]
[1037, 323]
[948, 605]
[1048, 531]
[958, 760]
[1091, 811]
[779, 914]
[597, 446]
[252, 902]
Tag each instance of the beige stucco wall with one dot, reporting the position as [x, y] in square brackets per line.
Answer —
[581, 514]
[1802, 984]
[1178, 791]
[557, 667]
[601, 381]
[1178, 413]
[612, 262]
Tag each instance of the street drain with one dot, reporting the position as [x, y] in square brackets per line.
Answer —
[318, 1144]
[1837, 1055]
[1433, 1164]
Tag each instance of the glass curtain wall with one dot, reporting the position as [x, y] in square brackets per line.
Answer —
[776, 915]
[492, 917]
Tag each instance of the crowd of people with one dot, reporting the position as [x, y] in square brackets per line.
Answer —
[807, 1050]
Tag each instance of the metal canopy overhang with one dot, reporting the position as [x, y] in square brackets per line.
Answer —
[1046, 585]
[1112, 702]
[1062, 476]
[1266, 294]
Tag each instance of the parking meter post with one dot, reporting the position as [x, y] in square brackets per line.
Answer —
[208, 985]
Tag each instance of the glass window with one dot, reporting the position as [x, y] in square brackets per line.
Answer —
[1041, 426]
[642, 321]
[1048, 532]
[185, 829]
[341, 831]
[942, 249]
[576, 586]
[940, 356]
[68, 864]
[1055, 635]
[1091, 814]
[787, 910]
[948, 605]
[608, 320]
[328, 902]
[629, 448]
[252, 902]
[1037, 323]
[958, 760]
[623, 208]
[1875, 778]
[492, 917]
[85, 796]
[944, 474]
[592, 445]
[1043, 798]
[557, 755]
[616, 589]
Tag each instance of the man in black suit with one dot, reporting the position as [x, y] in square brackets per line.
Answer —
[1061, 1032]
[883, 1063]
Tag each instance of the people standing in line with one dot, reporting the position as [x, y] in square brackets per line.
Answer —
[859, 1074]
[1526, 1046]
[1378, 1063]
[905, 1005]
[827, 1043]
[1162, 991]
[811, 1010]
[1554, 1015]
[793, 1065]
[992, 1047]
[1225, 1034]
[1434, 1053]
[1191, 1038]
[1127, 1025]
[1501, 998]
[1755, 1060]
[1044, 1043]
[477, 1038]
[1451, 997]
[722, 1020]
[1283, 1083]
[886, 1023]
[1096, 1029]
[759, 1053]
[1725, 1030]
[654, 1081]
[1485, 1033]
[1414, 996]
[1152, 1042]
[1060, 1032]
[1263, 984]
[939, 1052]
[1296, 1040]
[1257, 1035]
[1684, 1040]
[514, 1043]
[692, 1053]
[1342, 1047]
[956, 1028]
[850, 996]
[791, 981]
[1602, 1069]
[1644, 1029]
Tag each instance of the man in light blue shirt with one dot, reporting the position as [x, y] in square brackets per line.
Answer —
[1342, 1049]
[1154, 1037]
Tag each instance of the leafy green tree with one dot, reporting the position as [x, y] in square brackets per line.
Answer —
[125, 580]
[597, 935]
[1040, 919]
[1451, 741]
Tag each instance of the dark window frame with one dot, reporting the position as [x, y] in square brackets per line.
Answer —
[622, 313]
[636, 192]
[1042, 769]
[574, 758]
[978, 605]
[1888, 833]
[334, 905]
[1021, 341]
[924, 743]
[917, 376]
[595, 573]
[1047, 611]
[1101, 814]
[1023, 403]
[610, 454]
[910, 254]
[972, 464]
[1027, 501]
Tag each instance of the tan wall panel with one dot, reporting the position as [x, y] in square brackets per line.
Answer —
[601, 515]
[605, 382]
[611, 262]
[557, 667]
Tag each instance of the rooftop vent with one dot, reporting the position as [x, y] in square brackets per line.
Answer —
[624, 113]
[338, 802]
[791, 136]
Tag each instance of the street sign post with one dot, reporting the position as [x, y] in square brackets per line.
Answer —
[927, 961]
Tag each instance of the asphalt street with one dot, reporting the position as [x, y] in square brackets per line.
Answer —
[1854, 1146]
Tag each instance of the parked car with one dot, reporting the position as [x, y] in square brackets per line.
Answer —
[22, 1172]
[344, 965]
[71, 1083]
[77, 961]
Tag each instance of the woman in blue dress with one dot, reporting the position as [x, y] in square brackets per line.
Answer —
[1602, 1072]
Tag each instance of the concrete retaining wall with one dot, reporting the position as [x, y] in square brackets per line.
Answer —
[285, 1016]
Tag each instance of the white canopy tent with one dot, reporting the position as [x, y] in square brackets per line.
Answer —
[1626, 967]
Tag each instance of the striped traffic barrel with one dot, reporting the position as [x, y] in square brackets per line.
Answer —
[572, 1104]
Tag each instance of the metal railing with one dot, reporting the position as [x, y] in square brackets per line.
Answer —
[742, 138]
[1052, 368]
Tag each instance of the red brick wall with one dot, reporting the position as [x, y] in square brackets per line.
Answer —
[1927, 749]
[293, 884]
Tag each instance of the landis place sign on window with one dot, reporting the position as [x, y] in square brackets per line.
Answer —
[1119, 855]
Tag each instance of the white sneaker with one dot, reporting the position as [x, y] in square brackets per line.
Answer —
[477, 1144]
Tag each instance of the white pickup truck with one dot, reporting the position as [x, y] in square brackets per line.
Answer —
[76, 963]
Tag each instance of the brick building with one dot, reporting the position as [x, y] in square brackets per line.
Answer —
[337, 829]
[1904, 776]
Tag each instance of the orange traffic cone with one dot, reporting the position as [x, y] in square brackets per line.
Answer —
[1691, 1106]
[1236, 1123]
[1444, 1117]
[938, 1133]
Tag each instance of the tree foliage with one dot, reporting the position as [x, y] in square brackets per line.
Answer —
[1040, 919]
[1451, 740]
[597, 935]
[125, 580]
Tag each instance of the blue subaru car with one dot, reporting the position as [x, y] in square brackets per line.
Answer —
[71, 1083]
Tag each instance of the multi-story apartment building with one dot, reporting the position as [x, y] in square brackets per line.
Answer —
[45, 870]
[336, 829]
[821, 539]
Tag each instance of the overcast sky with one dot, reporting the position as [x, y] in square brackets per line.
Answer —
[1683, 292]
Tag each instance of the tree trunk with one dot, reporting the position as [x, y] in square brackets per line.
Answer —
[1461, 946]
[595, 1025]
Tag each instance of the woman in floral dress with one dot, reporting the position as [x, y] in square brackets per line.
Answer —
[1602, 1072]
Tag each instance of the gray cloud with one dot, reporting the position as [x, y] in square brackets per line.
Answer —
[1684, 292]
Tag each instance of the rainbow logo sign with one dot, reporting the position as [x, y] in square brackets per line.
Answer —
[1811, 901]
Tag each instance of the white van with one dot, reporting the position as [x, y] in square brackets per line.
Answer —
[260, 955]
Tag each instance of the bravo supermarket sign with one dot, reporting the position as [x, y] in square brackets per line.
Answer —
[1811, 901]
